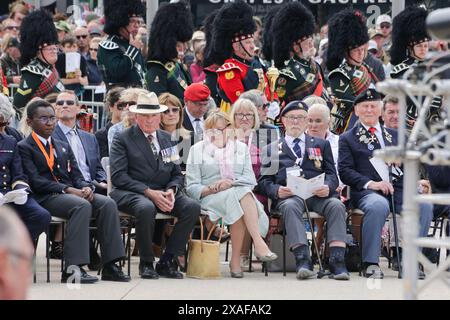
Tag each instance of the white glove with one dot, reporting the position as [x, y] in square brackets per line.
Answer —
[274, 110]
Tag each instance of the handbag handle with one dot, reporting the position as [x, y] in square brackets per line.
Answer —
[214, 228]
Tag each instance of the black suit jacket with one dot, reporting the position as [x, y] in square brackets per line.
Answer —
[134, 167]
[278, 156]
[40, 178]
[90, 146]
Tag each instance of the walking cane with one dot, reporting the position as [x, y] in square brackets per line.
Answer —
[394, 221]
[321, 272]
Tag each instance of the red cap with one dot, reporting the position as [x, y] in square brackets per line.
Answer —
[197, 92]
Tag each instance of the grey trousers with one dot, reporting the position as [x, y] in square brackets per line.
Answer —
[185, 209]
[332, 209]
[78, 212]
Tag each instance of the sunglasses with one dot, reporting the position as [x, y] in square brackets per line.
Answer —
[92, 49]
[12, 27]
[84, 36]
[385, 25]
[67, 102]
[123, 105]
[172, 110]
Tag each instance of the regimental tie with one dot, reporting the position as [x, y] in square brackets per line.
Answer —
[152, 145]
[373, 140]
[297, 149]
[198, 127]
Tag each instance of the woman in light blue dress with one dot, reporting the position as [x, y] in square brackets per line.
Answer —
[219, 174]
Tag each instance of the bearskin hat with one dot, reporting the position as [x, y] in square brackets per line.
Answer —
[208, 24]
[408, 29]
[233, 21]
[291, 23]
[172, 23]
[346, 30]
[267, 32]
[118, 13]
[37, 29]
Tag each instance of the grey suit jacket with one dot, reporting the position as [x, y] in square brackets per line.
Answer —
[134, 167]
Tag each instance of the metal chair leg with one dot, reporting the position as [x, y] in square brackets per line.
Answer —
[47, 253]
[250, 256]
[360, 245]
[284, 250]
[62, 244]
[226, 251]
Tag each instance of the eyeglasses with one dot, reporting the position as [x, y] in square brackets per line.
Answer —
[84, 36]
[265, 105]
[172, 110]
[12, 27]
[93, 49]
[67, 102]
[385, 25]
[123, 105]
[217, 131]
[241, 116]
[296, 118]
[45, 120]
[50, 48]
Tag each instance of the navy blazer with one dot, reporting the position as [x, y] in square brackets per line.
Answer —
[91, 149]
[41, 180]
[11, 171]
[354, 166]
[277, 156]
[134, 167]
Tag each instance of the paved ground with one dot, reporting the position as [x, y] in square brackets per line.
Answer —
[253, 286]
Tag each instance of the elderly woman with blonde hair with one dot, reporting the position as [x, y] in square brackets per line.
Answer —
[219, 174]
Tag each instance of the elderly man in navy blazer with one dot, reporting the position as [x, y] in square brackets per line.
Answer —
[368, 191]
[301, 154]
[84, 145]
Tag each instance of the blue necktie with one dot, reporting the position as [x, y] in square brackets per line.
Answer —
[297, 149]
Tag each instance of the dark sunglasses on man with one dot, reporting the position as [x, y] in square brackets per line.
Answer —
[84, 36]
[123, 105]
[67, 102]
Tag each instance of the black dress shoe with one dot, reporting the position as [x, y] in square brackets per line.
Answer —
[78, 276]
[111, 272]
[146, 270]
[169, 269]
[373, 271]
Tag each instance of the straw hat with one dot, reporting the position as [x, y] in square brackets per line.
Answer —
[147, 103]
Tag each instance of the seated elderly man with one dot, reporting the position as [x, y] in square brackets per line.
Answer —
[370, 190]
[301, 154]
[147, 178]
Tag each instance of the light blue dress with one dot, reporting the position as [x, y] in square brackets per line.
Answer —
[202, 170]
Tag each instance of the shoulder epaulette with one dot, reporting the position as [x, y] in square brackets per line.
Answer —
[400, 68]
[109, 45]
[228, 66]
[36, 69]
[341, 71]
[288, 73]
[170, 66]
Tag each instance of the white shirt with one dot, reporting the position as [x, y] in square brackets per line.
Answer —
[193, 122]
[45, 141]
[290, 142]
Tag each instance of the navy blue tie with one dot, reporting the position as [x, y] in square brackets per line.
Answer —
[297, 149]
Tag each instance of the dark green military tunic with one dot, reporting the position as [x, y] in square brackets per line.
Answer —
[399, 71]
[38, 80]
[299, 79]
[172, 77]
[120, 63]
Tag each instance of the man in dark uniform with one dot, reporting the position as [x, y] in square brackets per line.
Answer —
[408, 51]
[302, 155]
[349, 75]
[370, 190]
[38, 39]
[171, 28]
[119, 56]
[233, 50]
[293, 52]
[59, 187]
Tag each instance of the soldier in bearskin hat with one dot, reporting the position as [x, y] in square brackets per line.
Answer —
[210, 67]
[171, 26]
[119, 56]
[267, 33]
[233, 49]
[293, 52]
[349, 74]
[39, 52]
[409, 49]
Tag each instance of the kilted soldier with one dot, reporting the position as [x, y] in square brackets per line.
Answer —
[171, 28]
[408, 51]
[234, 50]
[119, 56]
[39, 52]
[349, 75]
[293, 51]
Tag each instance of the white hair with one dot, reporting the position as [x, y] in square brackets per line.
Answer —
[6, 108]
[323, 109]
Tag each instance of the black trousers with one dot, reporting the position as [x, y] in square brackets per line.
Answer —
[186, 210]
[79, 211]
